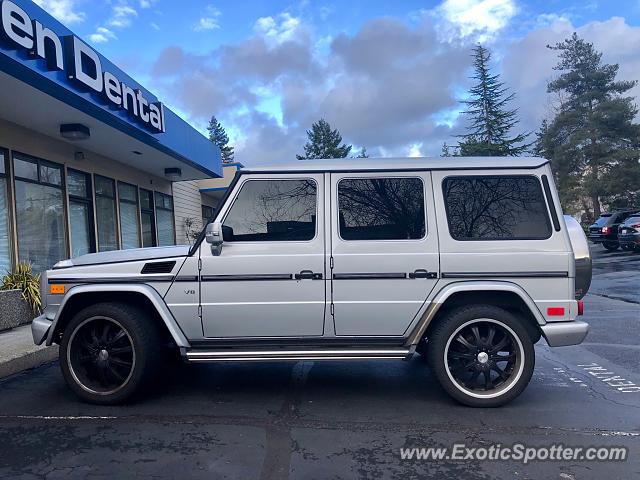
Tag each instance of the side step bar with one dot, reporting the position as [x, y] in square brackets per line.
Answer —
[268, 355]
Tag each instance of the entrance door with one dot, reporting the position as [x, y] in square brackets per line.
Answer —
[269, 280]
[384, 248]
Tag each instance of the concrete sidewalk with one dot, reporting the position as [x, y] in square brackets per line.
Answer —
[17, 351]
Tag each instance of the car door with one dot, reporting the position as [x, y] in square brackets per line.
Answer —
[269, 280]
[384, 251]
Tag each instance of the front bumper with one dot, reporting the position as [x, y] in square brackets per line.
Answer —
[40, 329]
[561, 334]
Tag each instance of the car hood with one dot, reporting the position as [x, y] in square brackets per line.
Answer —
[133, 254]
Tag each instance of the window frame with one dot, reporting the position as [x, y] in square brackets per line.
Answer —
[376, 177]
[116, 208]
[151, 211]
[498, 239]
[137, 204]
[87, 200]
[157, 194]
[286, 179]
[12, 226]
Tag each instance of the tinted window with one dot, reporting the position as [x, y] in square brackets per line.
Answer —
[603, 220]
[273, 210]
[634, 220]
[496, 208]
[381, 209]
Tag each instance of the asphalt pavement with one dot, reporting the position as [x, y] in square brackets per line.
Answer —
[342, 420]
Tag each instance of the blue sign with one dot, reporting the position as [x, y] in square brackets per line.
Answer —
[40, 51]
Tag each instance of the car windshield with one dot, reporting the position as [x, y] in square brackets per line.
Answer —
[634, 220]
[602, 220]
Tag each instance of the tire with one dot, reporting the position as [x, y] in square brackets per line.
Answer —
[459, 367]
[626, 248]
[611, 246]
[133, 355]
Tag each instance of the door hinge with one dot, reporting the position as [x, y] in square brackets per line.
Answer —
[200, 311]
[199, 264]
[331, 263]
[332, 309]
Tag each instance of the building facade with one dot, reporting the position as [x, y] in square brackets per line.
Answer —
[89, 159]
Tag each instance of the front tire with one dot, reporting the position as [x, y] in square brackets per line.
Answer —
[610, 246]
[109, 351]
[482, 355]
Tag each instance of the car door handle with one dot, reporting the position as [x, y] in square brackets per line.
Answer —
[308, 275]
[422, 273]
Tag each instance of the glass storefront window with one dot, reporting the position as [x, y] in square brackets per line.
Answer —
[39, 212]
[80, 213]
[164, 217]
[5, 253]
[129, 226]
[147, 218]
[106, 213]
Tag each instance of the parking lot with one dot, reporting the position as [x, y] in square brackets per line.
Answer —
[336, 420]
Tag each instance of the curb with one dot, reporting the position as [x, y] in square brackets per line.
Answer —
[18, 353]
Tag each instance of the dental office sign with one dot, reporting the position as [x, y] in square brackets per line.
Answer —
[80, 62]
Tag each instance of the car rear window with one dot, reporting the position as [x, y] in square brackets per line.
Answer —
[496, 208]
[634, 220]
[602, 220]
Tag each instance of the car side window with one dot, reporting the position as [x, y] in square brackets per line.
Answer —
[496, 207]
[381, 208]
[273, 211]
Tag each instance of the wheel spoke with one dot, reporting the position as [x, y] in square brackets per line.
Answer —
[461, 367]
[120, 362]
[116, 374]
[121, 350]
[476, 334]
[472, 380]
[460, 338]
[459, 355]
[105, 332]
[503, 375]
[488, 384]
[491, 334]
[503, 358]
[501, 344]
[117, 337]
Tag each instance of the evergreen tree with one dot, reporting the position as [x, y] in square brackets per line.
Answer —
[491, 120]
[363, 153]
[324, 142]
[592, 141]
[218, 136]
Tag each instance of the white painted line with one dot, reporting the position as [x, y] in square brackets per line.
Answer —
[610, 379]
[53, 417]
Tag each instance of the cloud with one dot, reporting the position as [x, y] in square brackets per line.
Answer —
[146, 3]
[154, 25]
[102, 35]
[122, 16]
[282, 28]
[480, 20]
[63, 10]
[211, 20]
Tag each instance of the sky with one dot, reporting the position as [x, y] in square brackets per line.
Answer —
[390, 75]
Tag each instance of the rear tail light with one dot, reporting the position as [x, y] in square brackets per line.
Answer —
[580, 307]
[606, 230]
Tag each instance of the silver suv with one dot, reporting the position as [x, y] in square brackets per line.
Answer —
[466, 262]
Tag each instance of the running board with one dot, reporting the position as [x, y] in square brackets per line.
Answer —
[269, 355]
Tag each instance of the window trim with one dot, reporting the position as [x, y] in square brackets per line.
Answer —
[494, 239]
[287, 179]
[12, 229]
[135, 202]
[173, 216]
[117, 211]
[424, 201]
[152, 211]
[87, 200]
[25, 157]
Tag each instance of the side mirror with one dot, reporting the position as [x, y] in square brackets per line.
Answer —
[214, 237]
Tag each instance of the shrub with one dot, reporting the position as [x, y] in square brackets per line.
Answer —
[22, 278]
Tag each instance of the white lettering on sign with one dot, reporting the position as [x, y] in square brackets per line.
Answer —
[80, 61]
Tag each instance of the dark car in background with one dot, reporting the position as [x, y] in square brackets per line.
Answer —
[605, 229]
[629, 233]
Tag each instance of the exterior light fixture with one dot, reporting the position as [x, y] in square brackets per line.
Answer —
[74, 131]
[173, 173]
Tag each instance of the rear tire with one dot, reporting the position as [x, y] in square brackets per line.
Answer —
[611, 246]
[109, 352]
[481, 355]
[626, 248]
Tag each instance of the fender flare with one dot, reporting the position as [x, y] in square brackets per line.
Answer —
[149, 292]
[470, 286]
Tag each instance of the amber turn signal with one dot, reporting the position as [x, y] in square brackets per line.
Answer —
[56, 289]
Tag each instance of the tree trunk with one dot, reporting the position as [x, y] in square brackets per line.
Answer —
[596, 206]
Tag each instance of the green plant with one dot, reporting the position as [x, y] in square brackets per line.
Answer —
[22, 278]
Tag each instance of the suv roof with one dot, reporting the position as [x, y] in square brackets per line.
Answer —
[375, 164]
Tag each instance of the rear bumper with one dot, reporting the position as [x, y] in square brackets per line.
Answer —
[598, 238]
[40, 329]
[629, 239]
[560, 334]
